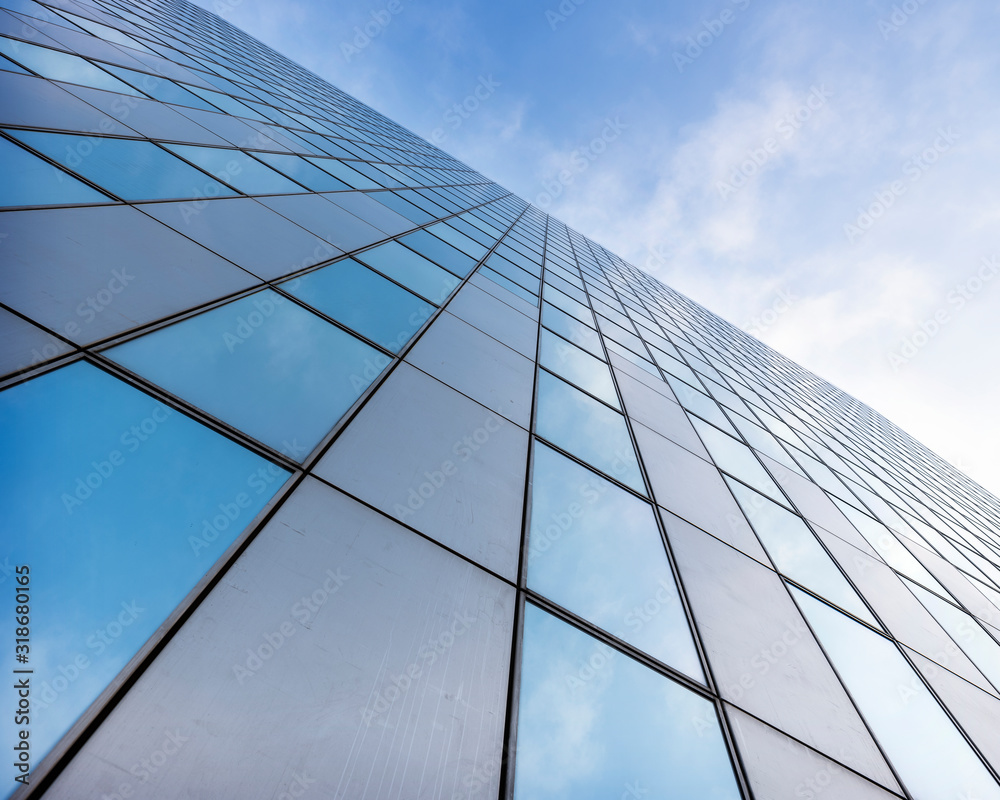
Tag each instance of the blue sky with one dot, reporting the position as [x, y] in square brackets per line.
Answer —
[823, 174]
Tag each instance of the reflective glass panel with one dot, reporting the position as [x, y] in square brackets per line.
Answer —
[571, 328]
[351, 177]
[133, 170]
[263, 364]
[160, 88]
[888, 546]
[457, 239]
[977, 644]
[578, 367]
[796, 552]
[593, 723]
[365, 301]
[302, 171]
[737, 459]
[120, 504]
[443, 253]
[931, 757]
[412, 270]
[58, 66]
[586, 428]
[596, 550]
[30, 181]
[237, 169]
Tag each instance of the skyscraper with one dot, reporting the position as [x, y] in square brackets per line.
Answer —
[333, 469]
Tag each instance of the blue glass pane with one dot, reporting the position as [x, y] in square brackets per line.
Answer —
[159, 88]
[58, 66]
[130, 169]
[456, 239]
[596, 550]
[571, 328]
[932, 759]
[120, 505]
[593, 723]
[263, 364]
[344, 173]
[412, 270]
[305, 173]
[365, 301]
[737, 459]
[443, 253]
[587, 429]
[10, 66]
[237, 169]
[578, 367]
[796, 553]
[29, 181]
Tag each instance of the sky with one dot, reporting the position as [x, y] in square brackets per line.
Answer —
[823, 175]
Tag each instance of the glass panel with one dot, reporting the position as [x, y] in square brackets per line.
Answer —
[962, 627]
[443, 253]
[247, 233]
[593, 723]
[399, 651]
[587, 429]
[365, 301]
[888, 546]
[159, 88]
[131, 169]
[302, 171]
[928, 752]
[596, 550]
[23, 345]
[571, 328]
[352, 178]
[30, 181]
[737, 459]
[701, 404]
[412, 270]
[439, 462]
[120, 504]
[457, 239]
[577, 366]
[496, 318]
[237, 169]
[764, 657]
[478, 366]
[263, 364]
[58, 66]
[795, 551]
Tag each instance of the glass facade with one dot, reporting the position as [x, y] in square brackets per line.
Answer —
[332, 468]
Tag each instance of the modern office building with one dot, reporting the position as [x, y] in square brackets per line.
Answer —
[333, 469]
